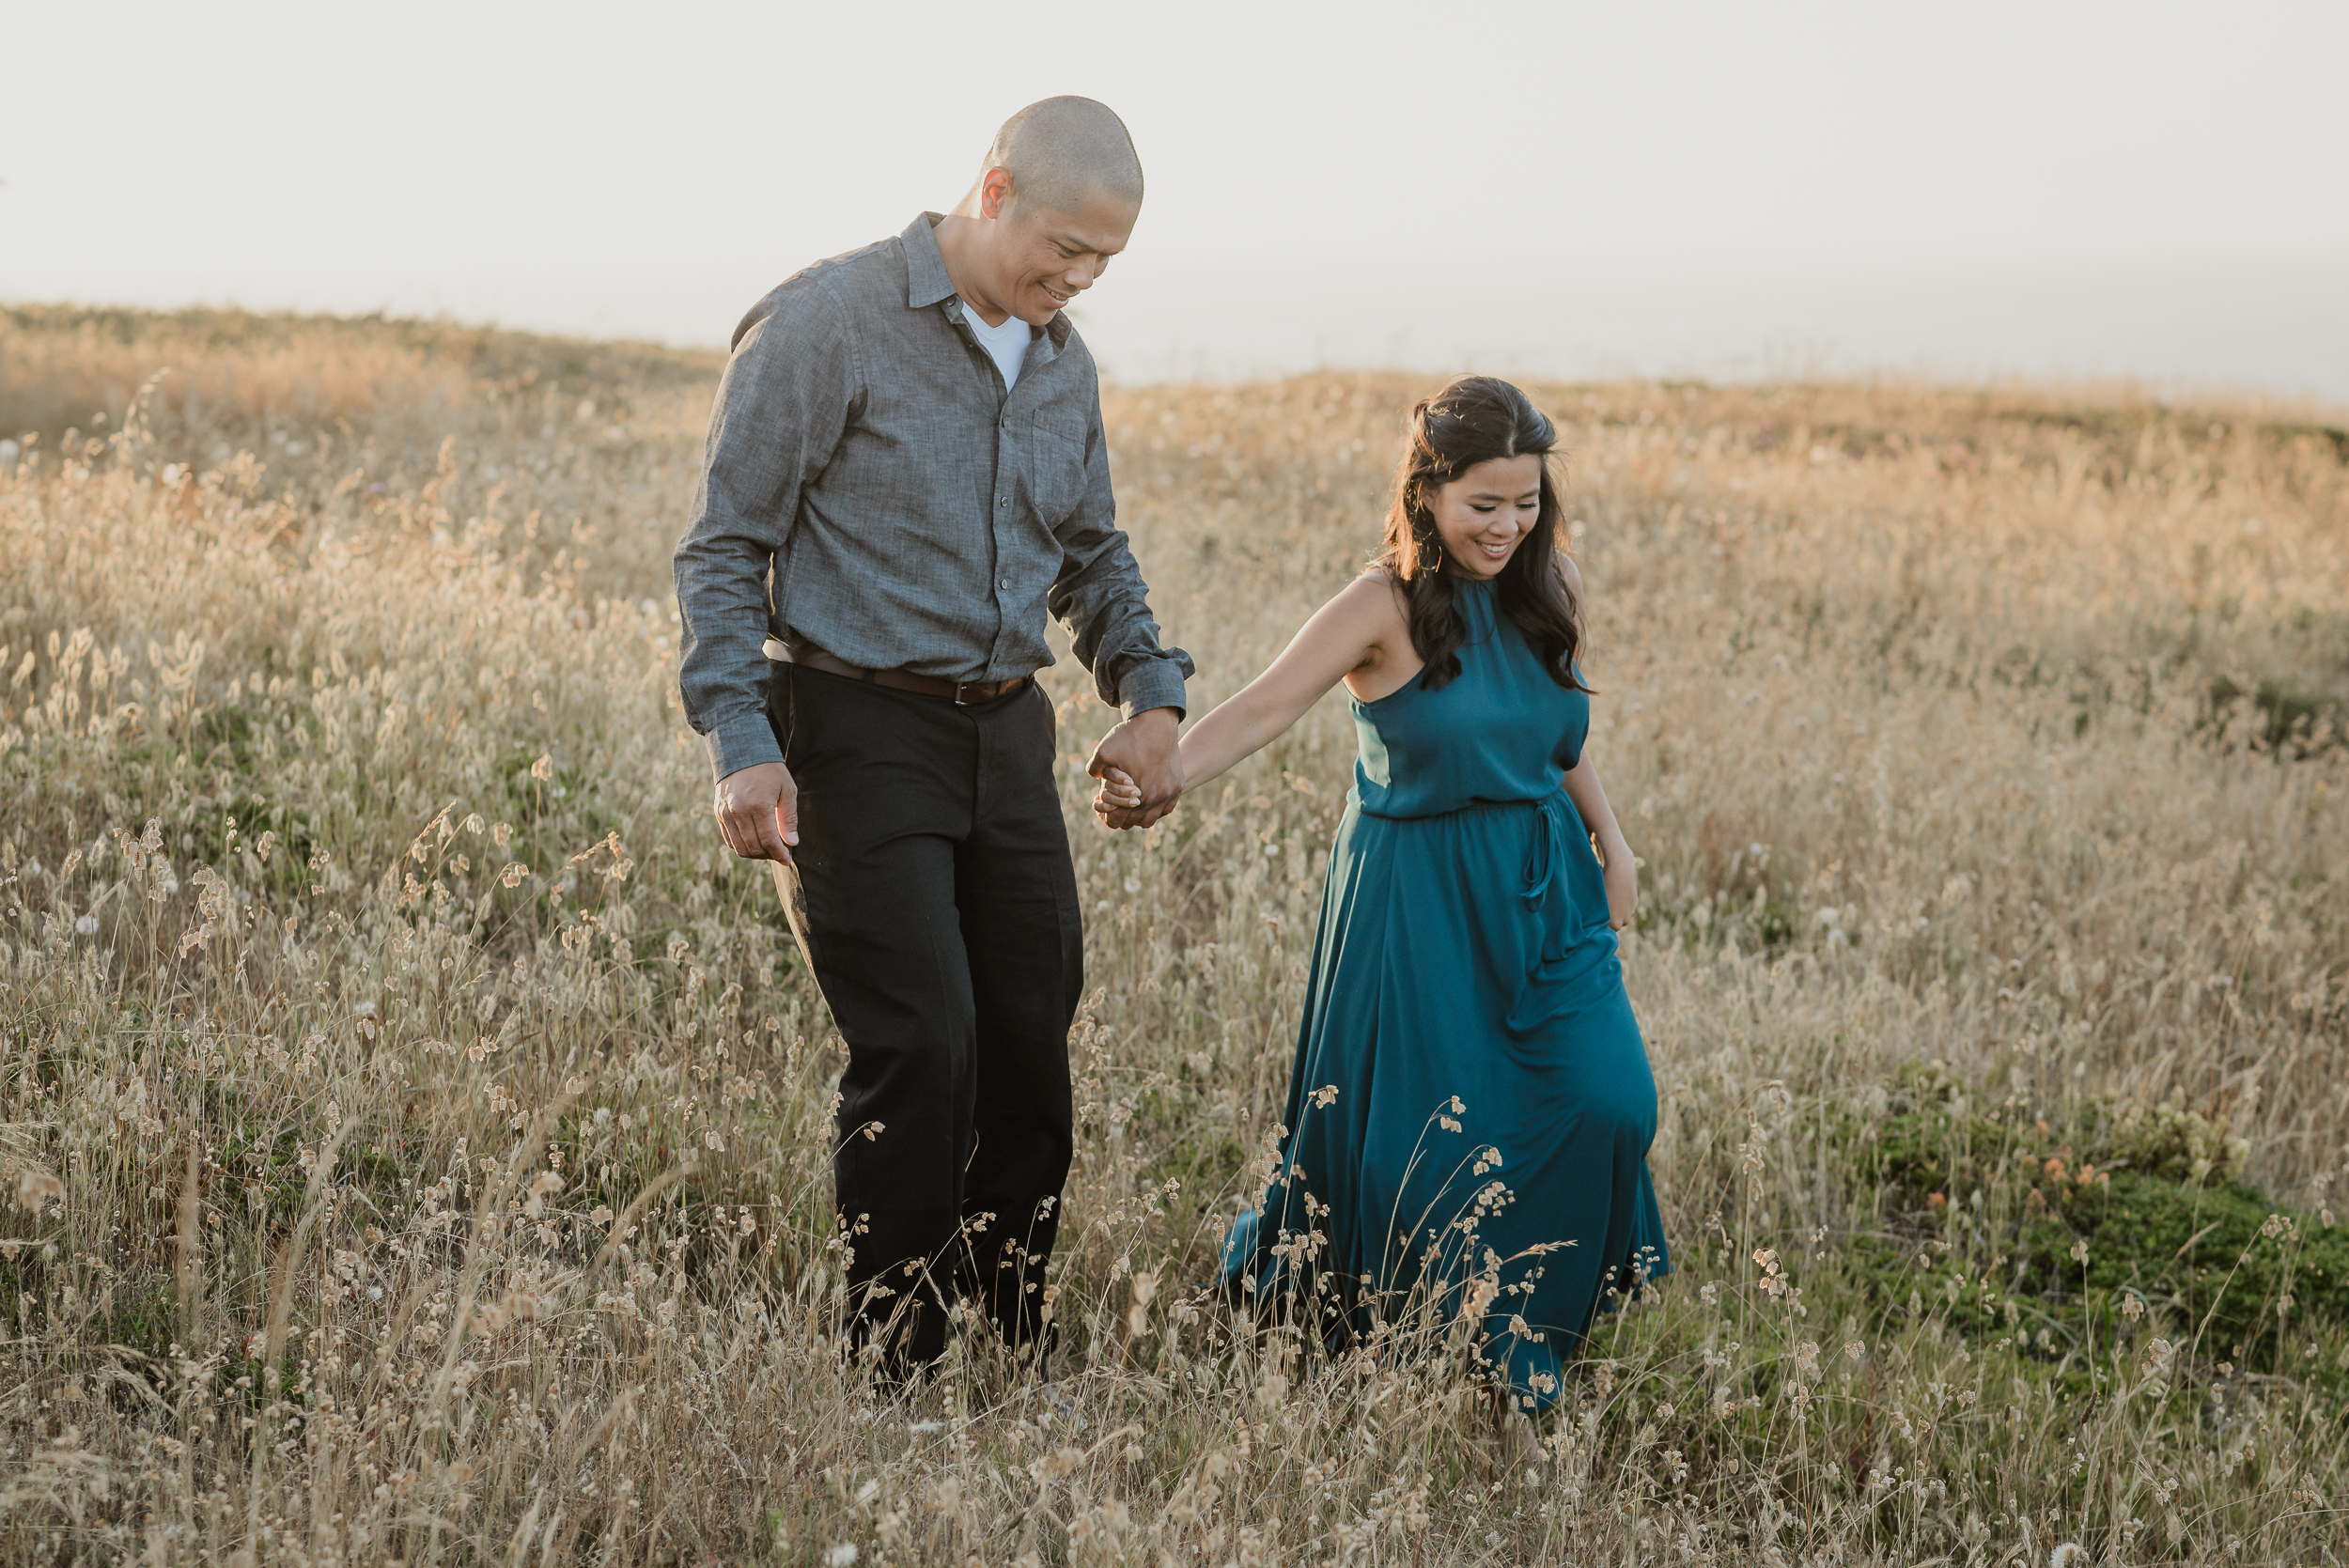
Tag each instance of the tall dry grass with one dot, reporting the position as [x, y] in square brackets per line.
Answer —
[419, 1126]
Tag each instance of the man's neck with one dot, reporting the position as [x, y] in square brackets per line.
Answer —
[960, 241]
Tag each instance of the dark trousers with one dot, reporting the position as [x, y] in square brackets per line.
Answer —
[944, 925]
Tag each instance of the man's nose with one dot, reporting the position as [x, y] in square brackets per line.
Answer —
[1080, 275]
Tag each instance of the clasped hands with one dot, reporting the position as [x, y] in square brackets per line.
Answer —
[1141, 770]
[1141, 773]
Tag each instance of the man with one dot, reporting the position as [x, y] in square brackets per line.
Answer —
[906, 471]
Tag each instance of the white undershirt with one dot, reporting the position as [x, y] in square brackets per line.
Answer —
[1007, 344]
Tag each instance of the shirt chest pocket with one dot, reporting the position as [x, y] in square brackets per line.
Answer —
[1056, 473]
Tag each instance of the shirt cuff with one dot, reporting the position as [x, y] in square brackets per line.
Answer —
[1152, 683]
[743, 742]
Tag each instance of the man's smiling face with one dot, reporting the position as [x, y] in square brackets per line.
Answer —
[1043, 259]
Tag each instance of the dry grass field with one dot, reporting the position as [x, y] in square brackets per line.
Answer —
[416, 1127]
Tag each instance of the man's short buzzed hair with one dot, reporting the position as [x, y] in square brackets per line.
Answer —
[1061, 150]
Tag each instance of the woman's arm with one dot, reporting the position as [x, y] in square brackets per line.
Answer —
[1623, 875]
[1353, 631]
[1590, 797]
[1350, 632]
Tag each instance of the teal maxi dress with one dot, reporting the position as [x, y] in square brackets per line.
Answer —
[1486, 1143]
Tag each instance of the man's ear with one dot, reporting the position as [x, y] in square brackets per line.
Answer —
[995, 193]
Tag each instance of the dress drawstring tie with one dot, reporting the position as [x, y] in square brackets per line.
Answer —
[1550, 839]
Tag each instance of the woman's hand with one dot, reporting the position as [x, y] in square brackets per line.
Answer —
[1623, 884]
[1118, 793]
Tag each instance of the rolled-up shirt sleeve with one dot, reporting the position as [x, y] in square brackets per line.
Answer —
[788, 393]
[1101, 597]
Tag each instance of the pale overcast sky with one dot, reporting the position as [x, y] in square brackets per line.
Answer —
[1567, 188]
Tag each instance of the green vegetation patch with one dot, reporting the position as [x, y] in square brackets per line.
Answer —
[2013, 1229]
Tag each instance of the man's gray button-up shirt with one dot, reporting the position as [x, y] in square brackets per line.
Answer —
[858, 436]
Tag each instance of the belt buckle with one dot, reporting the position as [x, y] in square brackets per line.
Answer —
[961, 687]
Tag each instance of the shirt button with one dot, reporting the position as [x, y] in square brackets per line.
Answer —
[1006, 585]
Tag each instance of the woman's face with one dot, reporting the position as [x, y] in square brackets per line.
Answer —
[1484, 514]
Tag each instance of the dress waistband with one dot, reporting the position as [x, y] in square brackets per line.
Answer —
[1551, 835]
[1465, 808]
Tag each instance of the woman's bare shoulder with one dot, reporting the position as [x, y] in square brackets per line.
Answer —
[1376, 586]
[1372, 601]
[1365, 619]
[1377, 619]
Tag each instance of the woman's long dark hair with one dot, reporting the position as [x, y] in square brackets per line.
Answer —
[1474, 420]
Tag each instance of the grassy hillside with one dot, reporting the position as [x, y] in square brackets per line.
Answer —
[419, 1124]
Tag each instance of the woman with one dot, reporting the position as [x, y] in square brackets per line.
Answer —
[1485, 1148]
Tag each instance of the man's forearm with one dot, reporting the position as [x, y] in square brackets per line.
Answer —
[1103, 600]
[1130, 668]
[721, 662]
[1153, 684]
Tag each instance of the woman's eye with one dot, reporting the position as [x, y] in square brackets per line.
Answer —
[1481, 511]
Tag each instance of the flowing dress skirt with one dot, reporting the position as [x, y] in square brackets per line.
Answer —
[1485, 1146]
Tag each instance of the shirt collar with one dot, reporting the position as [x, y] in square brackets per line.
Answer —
[926, 282]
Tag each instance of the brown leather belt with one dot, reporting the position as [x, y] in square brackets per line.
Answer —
[967, 694]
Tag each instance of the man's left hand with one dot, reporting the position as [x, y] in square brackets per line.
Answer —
[1144, 747]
